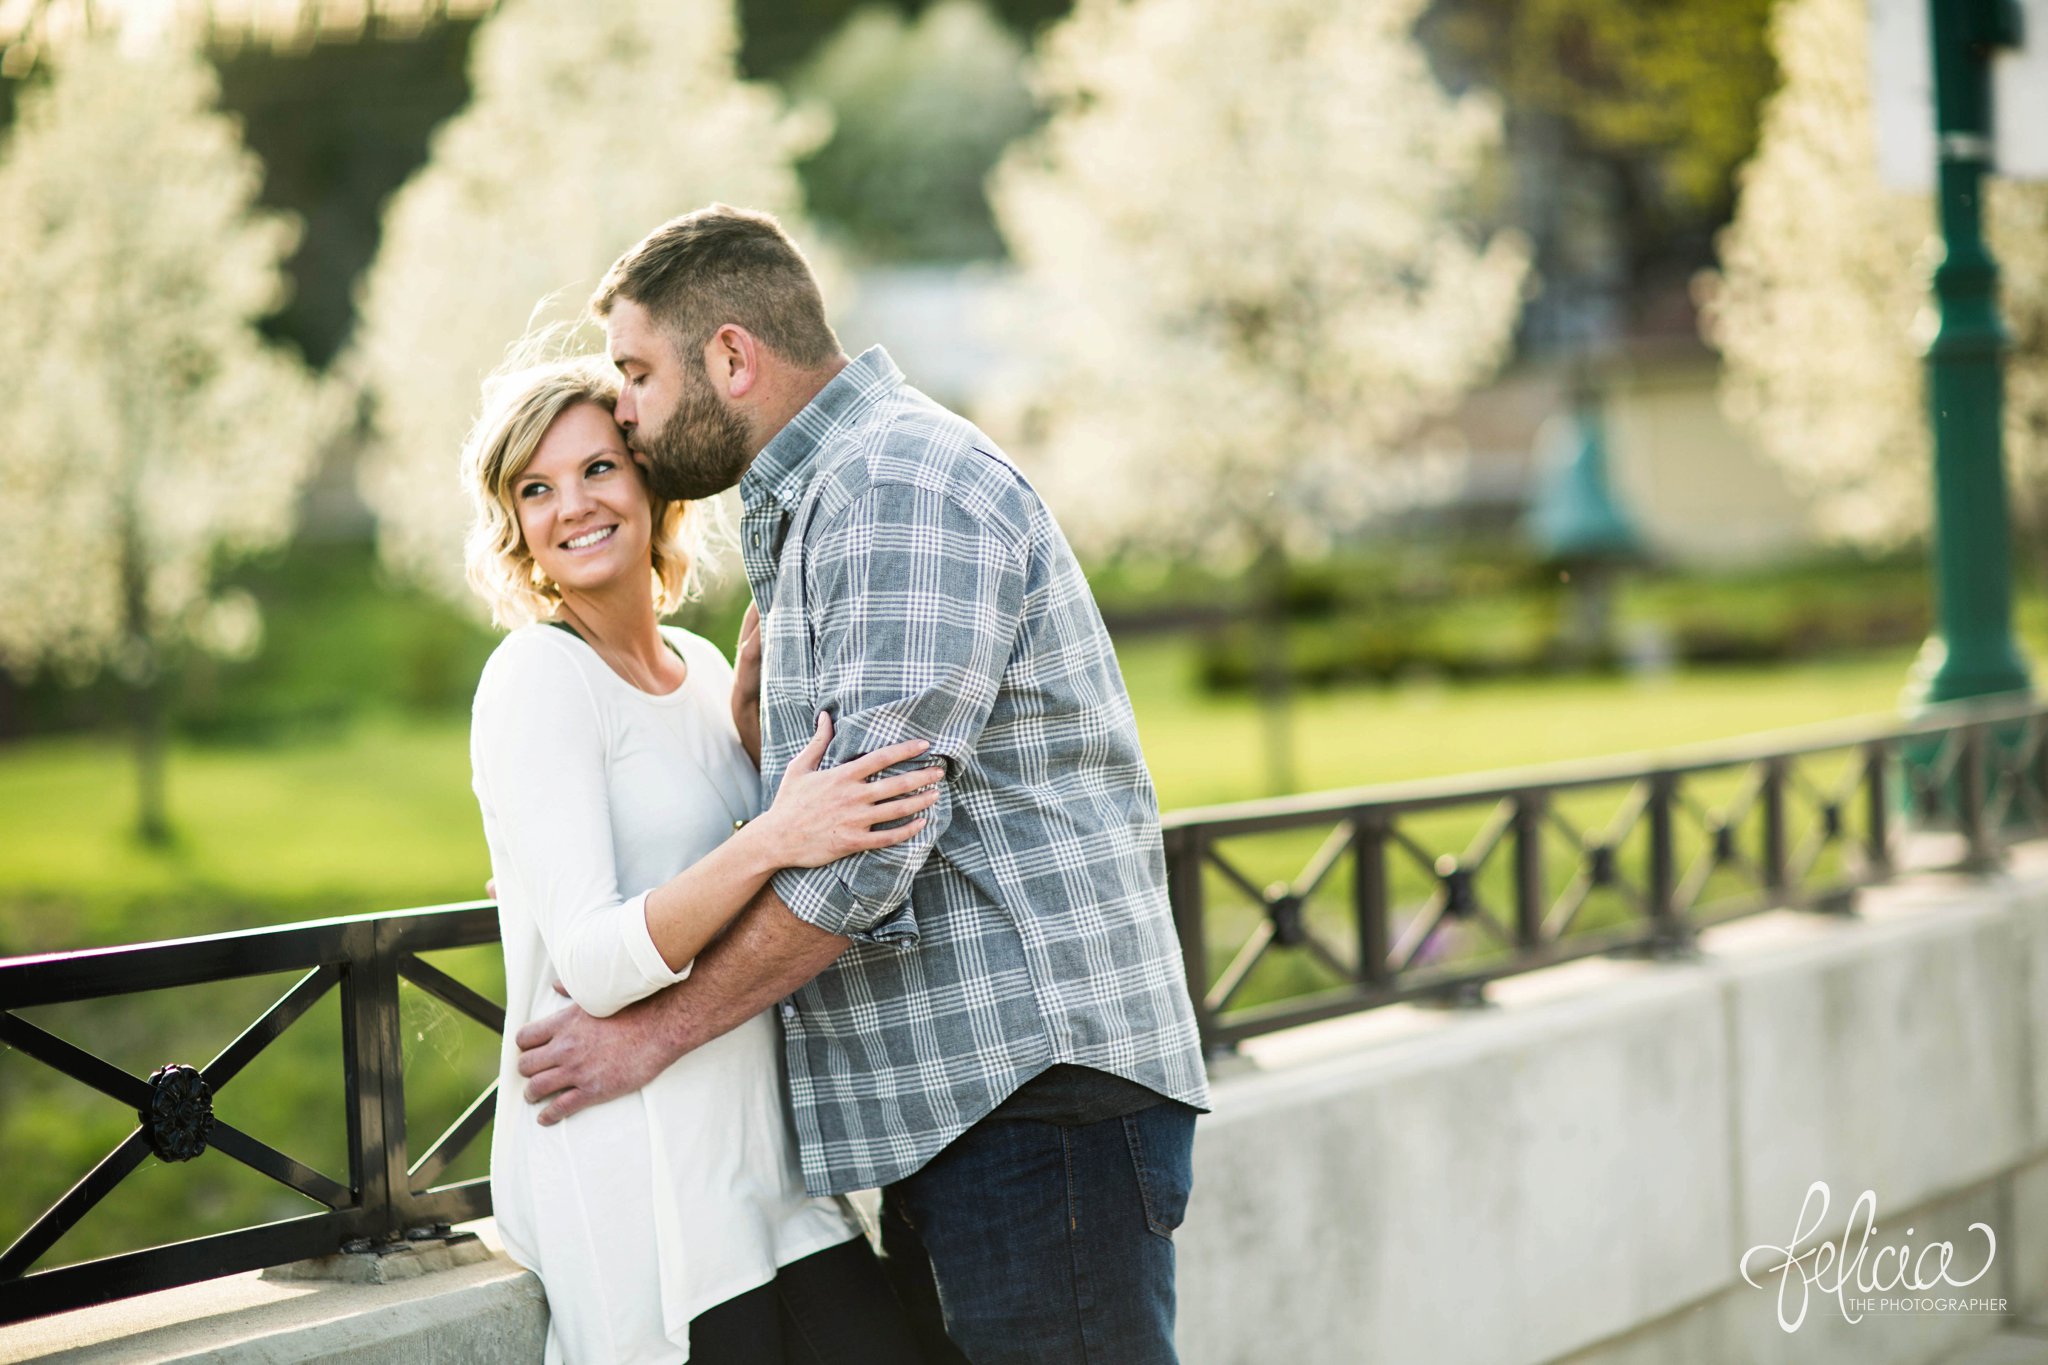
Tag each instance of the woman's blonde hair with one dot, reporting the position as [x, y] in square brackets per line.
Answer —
[519, 406]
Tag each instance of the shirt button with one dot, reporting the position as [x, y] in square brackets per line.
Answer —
[757, 540]
[788, 1011]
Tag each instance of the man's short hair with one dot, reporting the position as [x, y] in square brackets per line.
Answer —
[696, 273]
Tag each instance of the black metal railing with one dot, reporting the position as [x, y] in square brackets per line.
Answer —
[385, 1192]
[1423, 890]
[1342, 901]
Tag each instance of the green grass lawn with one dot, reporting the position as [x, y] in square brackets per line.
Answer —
[1206, 749]
[378, 815]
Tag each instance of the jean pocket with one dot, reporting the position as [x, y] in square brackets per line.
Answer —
[1163, 1165]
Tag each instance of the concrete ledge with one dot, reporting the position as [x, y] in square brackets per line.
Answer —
[1889, 1054]
[1739, 1323]
[489, 1312]
[1479, 1173]
[1574, 1174]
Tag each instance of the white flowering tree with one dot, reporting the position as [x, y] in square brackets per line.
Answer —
[148, 431]
[589, 126]
[1250, 230]
[1819, 308]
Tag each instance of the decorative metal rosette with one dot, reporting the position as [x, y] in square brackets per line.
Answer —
[179, 1117]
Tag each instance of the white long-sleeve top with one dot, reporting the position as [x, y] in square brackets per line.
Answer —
[640, 1213]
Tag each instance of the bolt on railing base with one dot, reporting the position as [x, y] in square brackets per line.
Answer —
[1463, 995]
[1682, 945]
[422, 1252]
[1839, 902]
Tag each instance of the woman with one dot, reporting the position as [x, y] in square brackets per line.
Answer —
[620, 809]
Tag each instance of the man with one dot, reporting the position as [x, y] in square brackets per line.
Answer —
[989, 1021]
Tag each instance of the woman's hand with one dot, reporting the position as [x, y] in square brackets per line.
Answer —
[746, 684]
[821, 815]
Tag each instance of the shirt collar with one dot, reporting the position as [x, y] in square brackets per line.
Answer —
[783, 467]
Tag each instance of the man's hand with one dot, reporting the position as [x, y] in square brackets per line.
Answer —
[574, 1061]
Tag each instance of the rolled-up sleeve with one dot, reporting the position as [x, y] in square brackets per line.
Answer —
[915, 604]
[537, 747]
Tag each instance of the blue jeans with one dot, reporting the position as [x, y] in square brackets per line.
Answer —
[1032, 1243]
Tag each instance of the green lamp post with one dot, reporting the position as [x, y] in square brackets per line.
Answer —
[1575, 515]
[1575, 523]
[1972, 653]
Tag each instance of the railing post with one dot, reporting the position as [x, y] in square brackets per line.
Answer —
[373, 1062]
[1970, 794]
[1662, 884]
[1529, 885]
[1369, 895]
[1774, 823]
[1877, 847]
[2040, 773]
[1184, 891]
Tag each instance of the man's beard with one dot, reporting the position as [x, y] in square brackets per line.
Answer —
[699, 452]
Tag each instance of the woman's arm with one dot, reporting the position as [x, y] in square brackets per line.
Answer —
[819, 817]
[538, 748]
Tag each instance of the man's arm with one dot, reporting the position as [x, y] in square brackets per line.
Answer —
[574, 1060]
[915, 602]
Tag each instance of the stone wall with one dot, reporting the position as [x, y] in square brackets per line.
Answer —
[1575, 1174]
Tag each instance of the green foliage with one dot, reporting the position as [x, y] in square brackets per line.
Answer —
[1473, 613]
[1674, 82]
[1463, 641]
[1807, 612]
[347, 643]
[339, 127]
[922, 110]
[778, 35]
[344, 642]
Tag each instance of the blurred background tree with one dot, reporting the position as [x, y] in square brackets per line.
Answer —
[153, 431]
[1625, 121]
[586, 128]
[1825, 272]
[922, 110]
[1251, 233]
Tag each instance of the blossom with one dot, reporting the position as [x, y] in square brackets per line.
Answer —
[149, 430]
[1822, 304]
[1247, 237]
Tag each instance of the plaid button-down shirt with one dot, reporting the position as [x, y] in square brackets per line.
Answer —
[912, 584]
